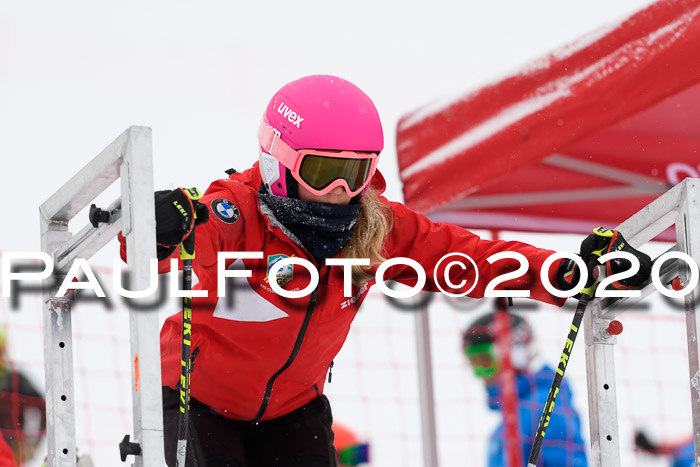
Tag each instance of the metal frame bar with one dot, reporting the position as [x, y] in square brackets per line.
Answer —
[688, 237]
[602, 394]
[680, 206]
[128, 157]
[425, 388]
[627, 183]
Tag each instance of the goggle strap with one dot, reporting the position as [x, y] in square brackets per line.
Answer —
[271, 142]
[482, 347]
[274, 138]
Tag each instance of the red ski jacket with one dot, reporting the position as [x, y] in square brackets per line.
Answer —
[260, 355]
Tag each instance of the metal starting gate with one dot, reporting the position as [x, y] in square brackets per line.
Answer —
[129, 158]
[679, 207]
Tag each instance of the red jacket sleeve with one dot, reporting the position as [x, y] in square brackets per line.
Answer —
[416, 237]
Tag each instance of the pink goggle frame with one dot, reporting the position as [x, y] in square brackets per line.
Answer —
[272, 144]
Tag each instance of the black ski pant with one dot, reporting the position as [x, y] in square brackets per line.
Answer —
[302, 438]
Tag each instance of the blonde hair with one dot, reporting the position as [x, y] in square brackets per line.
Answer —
[374, 223]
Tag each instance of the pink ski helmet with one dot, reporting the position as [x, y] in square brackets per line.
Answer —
[318, 112]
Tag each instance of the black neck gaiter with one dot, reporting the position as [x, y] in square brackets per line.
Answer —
[322, 228]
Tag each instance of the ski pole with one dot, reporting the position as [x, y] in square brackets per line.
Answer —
[586, 295]
[186, 255]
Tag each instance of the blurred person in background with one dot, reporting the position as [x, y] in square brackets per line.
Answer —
[350, 450]
[684, 455]
[22, 408]
[563, 445]
[681, 454]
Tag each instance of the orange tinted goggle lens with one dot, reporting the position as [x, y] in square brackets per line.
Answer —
[320, 171]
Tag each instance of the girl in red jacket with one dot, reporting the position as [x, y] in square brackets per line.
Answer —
[264, 341]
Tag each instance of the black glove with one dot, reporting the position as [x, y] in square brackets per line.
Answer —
[599, 243]
[568, 275]
[603, 241]
[176, 216]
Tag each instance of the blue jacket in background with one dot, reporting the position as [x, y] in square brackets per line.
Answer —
[563, 444]
[683, 456]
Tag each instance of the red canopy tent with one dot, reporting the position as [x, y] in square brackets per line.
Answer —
[585, 136]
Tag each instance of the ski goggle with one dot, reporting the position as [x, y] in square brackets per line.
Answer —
[320, 171]
[483, 359]
[354, 455]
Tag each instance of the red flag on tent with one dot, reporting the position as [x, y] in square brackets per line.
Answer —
[585, 136]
